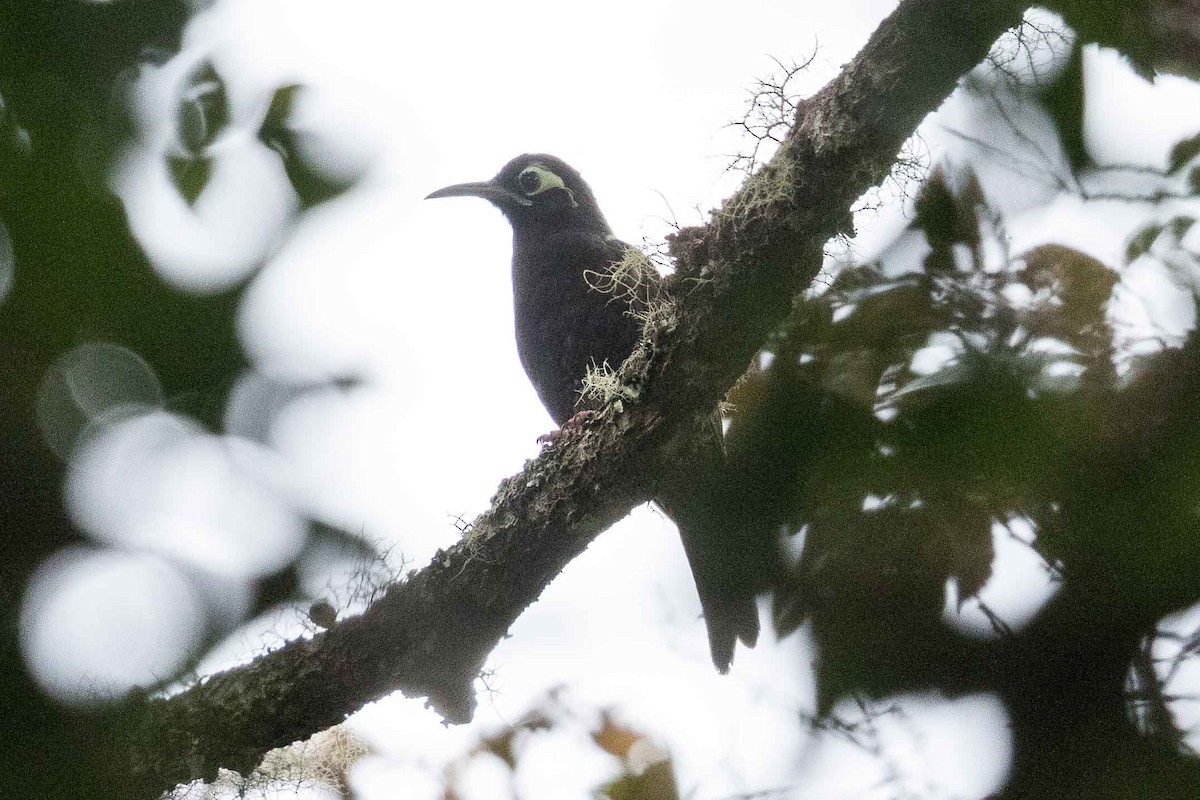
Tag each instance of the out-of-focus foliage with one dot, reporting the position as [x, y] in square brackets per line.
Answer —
[109, 368]
[315, 181]
[1157, 36]
[916, 410]
[643, 770]
[202, 115]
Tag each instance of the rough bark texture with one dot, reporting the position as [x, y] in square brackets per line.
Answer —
[430, 635]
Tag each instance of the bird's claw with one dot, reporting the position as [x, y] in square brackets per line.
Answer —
[570, 426]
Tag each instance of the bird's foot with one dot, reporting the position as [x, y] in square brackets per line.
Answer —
[572, 425]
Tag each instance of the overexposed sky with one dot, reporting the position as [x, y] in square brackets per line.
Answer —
[416, 298]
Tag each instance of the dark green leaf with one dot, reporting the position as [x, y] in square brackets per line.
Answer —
[313, 183]
[946, 210]
[960, 538]
[788, 608]
[1141, 242]
[279, 114]
[1182, 153]
[190, 174]
[15, 144]
[1064, 100]
[657, 782]
[853, 375]
[887, 316]
[203, 111]
[1179, 226]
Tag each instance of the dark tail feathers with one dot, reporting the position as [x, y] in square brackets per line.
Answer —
[728, 622]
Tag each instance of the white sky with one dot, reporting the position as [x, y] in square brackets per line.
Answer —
[416, 296]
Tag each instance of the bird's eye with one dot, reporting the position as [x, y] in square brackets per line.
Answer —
[530, 181]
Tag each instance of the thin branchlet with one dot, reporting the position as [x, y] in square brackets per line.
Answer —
[770, 113]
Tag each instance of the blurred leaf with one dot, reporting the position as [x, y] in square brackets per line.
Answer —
[15, 146]
[804, 452]
[948, 214]
[849, 280]
[279, 112]
[854, 376]
[656, 782]
[1182, 154]
[779, 429]
[789, 607]
[1077, 289]
[887, 315]
[859, 555]
[313, 183]
[1064, 100]
[986, 435]
[613, 738]
[873, 593]
[203, 111]
[1141, 242]
[1174, 29]
[1113, 25]
[1083, 284]
[1154, 36]
[501, 746]
[190, 174]
[1179, 226]
[954, 372]
[748, 393]
[961, 541]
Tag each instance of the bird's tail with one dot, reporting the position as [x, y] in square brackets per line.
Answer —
[721, 559]
[729, 621]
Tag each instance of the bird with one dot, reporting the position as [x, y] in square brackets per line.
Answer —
[569, 319]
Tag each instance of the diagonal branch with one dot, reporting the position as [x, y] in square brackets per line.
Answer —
[430, 635]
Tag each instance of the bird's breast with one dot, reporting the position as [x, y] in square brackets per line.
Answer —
[564, 325]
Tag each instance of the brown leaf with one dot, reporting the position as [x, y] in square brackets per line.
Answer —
[1078, 288]
[501, 746]
[613, 738]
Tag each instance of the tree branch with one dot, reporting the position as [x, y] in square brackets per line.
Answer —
[430, 634]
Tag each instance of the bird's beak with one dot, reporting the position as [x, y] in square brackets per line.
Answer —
[488, 190]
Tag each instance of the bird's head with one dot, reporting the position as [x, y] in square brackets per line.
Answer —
[536, 190]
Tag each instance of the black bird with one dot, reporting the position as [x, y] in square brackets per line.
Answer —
[563, 249]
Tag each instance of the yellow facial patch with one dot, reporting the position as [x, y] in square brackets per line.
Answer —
[536, 179]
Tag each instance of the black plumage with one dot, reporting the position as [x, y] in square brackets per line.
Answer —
[563, 252]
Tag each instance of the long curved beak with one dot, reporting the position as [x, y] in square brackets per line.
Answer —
[488, 190]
